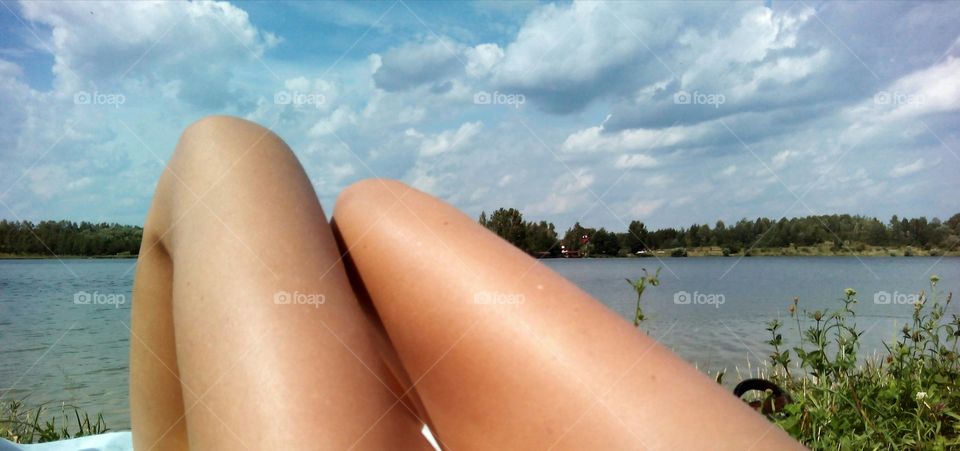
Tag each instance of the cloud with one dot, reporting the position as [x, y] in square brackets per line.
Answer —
[191, 46]
[482, 59]
[342, 117]
[126, 79]
[10, 70]
[568, 192]
[780, 159]
[448, 140]
[637, 160]
[596, 139]
[904, 170]
[657, 181]
[414, 64]
[770, 87]
[934, 89]
[644, 208]
[628, 45]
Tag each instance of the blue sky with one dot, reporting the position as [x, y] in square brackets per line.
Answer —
[670, 113]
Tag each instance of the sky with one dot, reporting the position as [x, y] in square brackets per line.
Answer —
[603, 113]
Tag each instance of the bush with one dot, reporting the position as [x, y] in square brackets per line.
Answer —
[679, 252]
[726, 252]
[910, 399]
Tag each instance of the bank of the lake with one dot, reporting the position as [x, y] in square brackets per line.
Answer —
[823, 250]
[705, 251]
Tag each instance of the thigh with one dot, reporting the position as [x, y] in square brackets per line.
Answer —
[272, 350]
[506, 354]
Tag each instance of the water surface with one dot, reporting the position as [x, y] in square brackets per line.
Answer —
[54, 349]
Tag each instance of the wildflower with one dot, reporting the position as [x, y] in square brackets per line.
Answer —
[921, 395]
[850, 292]
[792, 309]
[818, 315]
[934, 279]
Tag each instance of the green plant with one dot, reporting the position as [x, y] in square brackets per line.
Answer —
[639, 286]
[20, 424]
[909, 399]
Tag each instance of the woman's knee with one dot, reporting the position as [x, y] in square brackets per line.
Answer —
[369, 195]
[216, 151]
[215, 146]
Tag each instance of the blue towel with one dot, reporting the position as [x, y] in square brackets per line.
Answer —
[111, 441]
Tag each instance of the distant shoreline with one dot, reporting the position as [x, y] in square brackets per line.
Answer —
[817, 251]
[662, 253]
[803, 251]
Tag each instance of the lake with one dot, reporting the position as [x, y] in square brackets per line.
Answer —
[712, 311]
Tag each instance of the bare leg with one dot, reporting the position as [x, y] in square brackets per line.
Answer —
[504, 353]
[216, 361]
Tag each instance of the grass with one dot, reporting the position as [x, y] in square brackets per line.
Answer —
[908, 398]
[639, 286]
[39, 424]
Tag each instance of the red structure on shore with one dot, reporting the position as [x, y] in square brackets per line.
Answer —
[570, 253]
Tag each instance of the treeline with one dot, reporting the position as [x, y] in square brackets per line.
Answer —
[540, 238]
[840, 231]
[68, 238]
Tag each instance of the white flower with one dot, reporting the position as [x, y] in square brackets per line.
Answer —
[921, 395]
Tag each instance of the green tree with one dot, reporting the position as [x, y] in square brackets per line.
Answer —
[636, 237]
[605, 243]
[508, 224]
[572, 237]
[541, 237]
